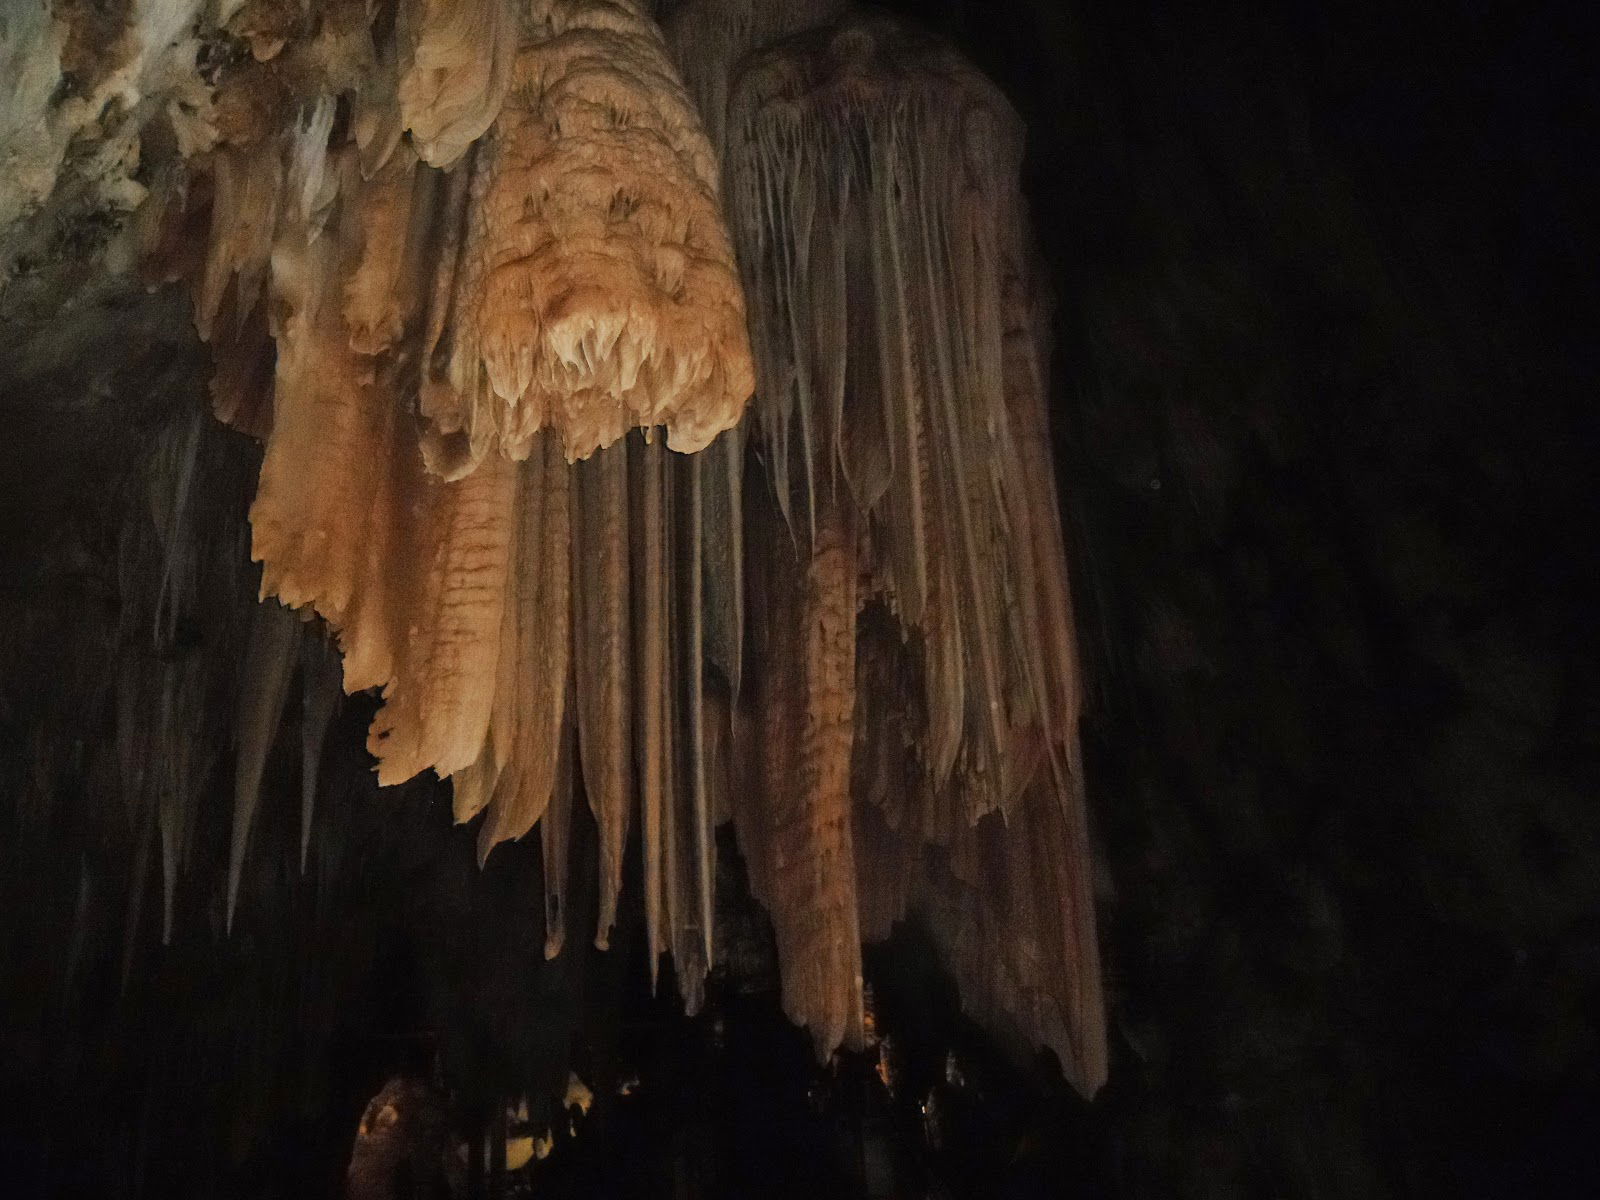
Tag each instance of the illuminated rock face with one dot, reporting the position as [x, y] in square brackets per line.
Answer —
[459, 273]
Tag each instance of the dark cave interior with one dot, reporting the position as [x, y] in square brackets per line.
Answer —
[1323, 435]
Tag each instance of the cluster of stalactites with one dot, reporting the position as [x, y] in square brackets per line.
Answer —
[505, 221]
[525, 243]
[189, 669]
[901, 408]
[445, 260]
[532, 623]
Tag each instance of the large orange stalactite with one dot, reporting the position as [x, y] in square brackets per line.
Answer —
[487, 253]
[457, 314]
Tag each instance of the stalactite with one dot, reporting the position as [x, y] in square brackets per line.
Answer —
[436, 711]
[342, 236]
[169, 684]
[382, 293]
[269, 667]
[246, 187]
[721, 534]
[795, 824]
[693, 666]
[443, 261]
[556, 828]
[653, 700]
[319, 669]
[176, 461]
[872, 192]
[602, 660]
[530, 700]
[599, 291]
